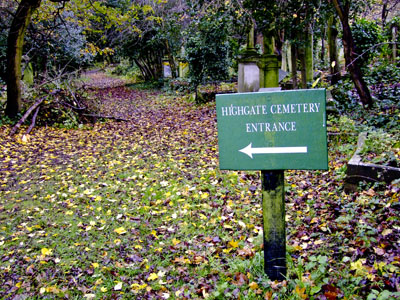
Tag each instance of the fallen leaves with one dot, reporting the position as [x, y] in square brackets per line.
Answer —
[120, 230]
[140, 207]
[152, 276]
[46, 251]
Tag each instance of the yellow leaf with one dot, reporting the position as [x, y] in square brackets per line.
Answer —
[175, 242]
[234, 244]
[95, 265]
[315, 83]
[18, 285]
[203, 217]
[204, 195]
[253, 285]
[300, 292]
[103, 289]
[152, 276]
[136, 286]
[46, 251]
[358, 266]
[120, 230]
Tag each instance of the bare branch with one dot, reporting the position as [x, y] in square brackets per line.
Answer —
[26, 115]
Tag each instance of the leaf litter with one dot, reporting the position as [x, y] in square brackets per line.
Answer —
[139, 209]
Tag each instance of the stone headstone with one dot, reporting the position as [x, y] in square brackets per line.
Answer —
[167, 70]
[248, 77]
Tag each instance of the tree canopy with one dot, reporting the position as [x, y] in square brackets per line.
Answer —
[66, 35]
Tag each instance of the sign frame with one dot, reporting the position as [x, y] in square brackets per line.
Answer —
[273, 130]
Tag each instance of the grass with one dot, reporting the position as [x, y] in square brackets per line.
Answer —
[140, 210]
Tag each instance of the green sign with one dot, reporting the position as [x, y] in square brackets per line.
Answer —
[272, 130]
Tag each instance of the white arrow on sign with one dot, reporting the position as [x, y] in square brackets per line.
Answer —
[272, 150]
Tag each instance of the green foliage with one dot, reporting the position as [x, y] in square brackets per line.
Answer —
[128, 70]
[206, 93]
[179, 85]
[57, 44]
[3, 50]
[381, 148]
[207, 50]
[367, 37]
[5, 120]
[395, 21]
[383, 79]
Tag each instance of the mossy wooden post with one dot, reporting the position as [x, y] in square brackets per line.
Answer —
[273, 197]
[273, 203]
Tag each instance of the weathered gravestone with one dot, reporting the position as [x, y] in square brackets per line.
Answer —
[167, 73]
[249, 72]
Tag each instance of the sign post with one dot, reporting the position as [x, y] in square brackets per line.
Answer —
[273, 132]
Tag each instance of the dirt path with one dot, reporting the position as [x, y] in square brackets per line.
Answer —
[97, 79]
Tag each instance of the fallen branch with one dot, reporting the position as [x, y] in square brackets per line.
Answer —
[33, 120]
[105, 117]
[25, 116]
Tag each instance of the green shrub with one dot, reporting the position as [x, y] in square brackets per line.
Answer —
[381, 148]
[206, 93]
[367, 36]
[129, 70]
[180, 85]
[207, 50]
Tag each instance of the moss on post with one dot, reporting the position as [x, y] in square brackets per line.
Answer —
[273, 194]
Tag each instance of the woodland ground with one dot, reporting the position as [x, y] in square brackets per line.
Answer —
[140, 210]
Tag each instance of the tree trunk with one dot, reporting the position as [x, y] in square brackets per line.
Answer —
[384, 13]
[301, 52]
[308, 56]
[15, 43]
[171, 60]
[293, 57]
[350, 55]
[323, 46]
[333, 51]
[394, 40]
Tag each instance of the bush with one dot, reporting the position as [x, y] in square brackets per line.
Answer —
[129, 70]
[207, 50]
[381, 148]
[180, 85]
[367, 35]
[206, 93]
[383, 79]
